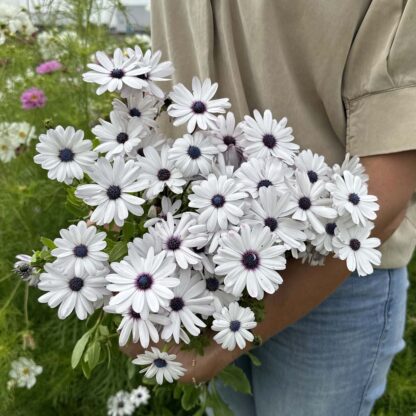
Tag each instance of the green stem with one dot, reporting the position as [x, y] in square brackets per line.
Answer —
[26, 305]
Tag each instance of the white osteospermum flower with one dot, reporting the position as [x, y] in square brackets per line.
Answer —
[160, 364]
[24, 371]
[24, 269]
[190, 298]
[113, 74]
[80, 248]
[140, 396]
[139, 107]
[142, 244]
[143, 284]
[158, 172]
[273, 211]
[219, 202]
[177, 240]
[65, 154]
[264, 136]
[119, 136]
[193, 154]
[111, 192]
[167, 206]
[263, 173]
[353, 165]
[233, 324]
[120, 404]
[313, 165]
[350, 194]
[139, 328]
[308, 202]
[249, 260]
[71, 291]
[157, 71]
[323, 243]
[215, 286]
[354, 245]
[196, 107]
[153, 139]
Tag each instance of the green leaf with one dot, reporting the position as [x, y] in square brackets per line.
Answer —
[235, 378]
[92, 355]
[103, 330]
[254, 359]
[190, 396]
[86, 369]
[48, 243]
[79, 349]
[216, 403]
[118, 251]
[131, 370]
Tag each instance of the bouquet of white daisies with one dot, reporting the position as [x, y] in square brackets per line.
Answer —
[177, 236]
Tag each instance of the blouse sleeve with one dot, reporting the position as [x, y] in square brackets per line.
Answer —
[379, 84]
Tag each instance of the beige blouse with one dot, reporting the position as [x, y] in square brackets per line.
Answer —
[342, 71]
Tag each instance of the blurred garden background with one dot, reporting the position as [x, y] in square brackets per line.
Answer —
[63, 35]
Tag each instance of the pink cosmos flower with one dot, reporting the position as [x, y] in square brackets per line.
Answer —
[33, 98]
[48, 67]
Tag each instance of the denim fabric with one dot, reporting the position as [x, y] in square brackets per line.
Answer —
[334, 361]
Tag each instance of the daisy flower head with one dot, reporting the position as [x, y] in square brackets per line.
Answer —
[249, 259]
[214, 285]
[228, 137]
[353, 165]
[140, 396]
[190, 298]
[233, 325]
[256, 174]
[72, 291]
[272, 210]
[350, 194]
[355, 245]
[264, 137]
[219, 202]
[119, 136]
[177, 240]
[140, 329]
[111, 192]
[161, 213]
[323, 242]
[313, 165]
[24, 371]
[80, 247]
[220, 167]
[24, 269]
[143, 284]
[193, 154]
[120, 404]
[65, 154]
[196, 108]
[139, 107]
[113, 73]
[153, 138]
[310, 255]
[142, 244]
[157, 71]
[157, 172]
[160, 365]
[309, 204]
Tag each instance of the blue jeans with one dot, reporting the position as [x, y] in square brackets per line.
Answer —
[334, 361]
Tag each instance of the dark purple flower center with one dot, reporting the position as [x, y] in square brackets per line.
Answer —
[229, 140]
[235, 325]
[354, 199]
[81, 250]
[135, 112]
[305, 203]
[163, 174]
[117, 73]
[120, 405]
[313, 176]
[160, 363]
[199, 107]
[144, 281]
[144, 76]
[76, 284]
[355, 244]
[330, 228]
[212, 284]
[122, 137]
[264, 183]
[177, 304]
[140, 151]
[271, 223]
[218, 201]
[113, 192]
[250, 260]
[269, 141]
[194, 152]
[173, 243]
[66, 155]
[135, 314]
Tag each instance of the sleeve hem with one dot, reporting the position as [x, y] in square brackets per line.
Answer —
[382, 122]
